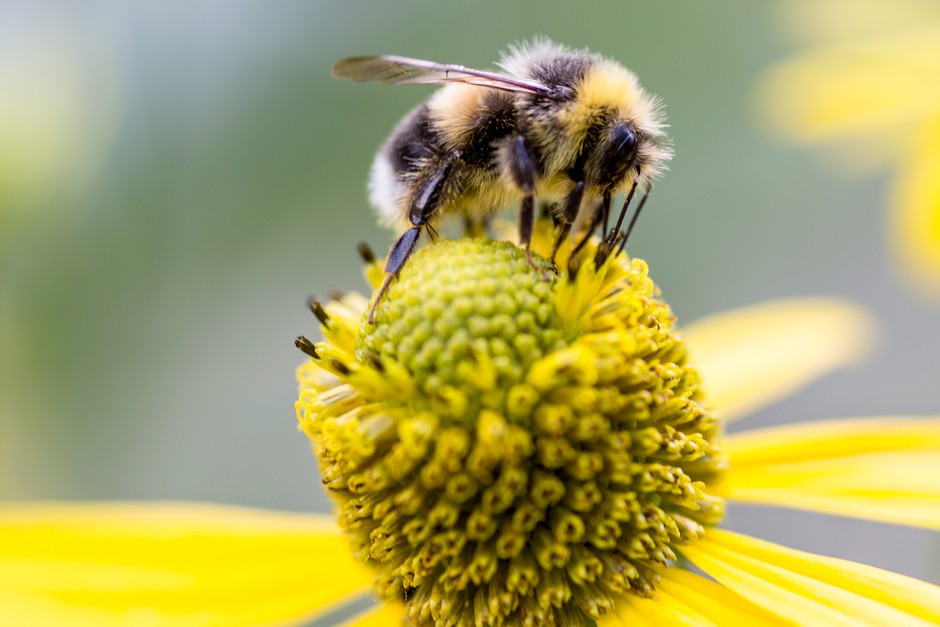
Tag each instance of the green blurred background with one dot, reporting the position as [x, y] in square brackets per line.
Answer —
[176, 178]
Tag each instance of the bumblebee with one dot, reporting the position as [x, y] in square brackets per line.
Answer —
[568, 127]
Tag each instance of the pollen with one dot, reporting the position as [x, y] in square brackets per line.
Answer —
[507, 450]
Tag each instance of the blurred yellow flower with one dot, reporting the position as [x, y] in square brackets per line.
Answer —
[57, 116]
[390, 415]
[869, 84]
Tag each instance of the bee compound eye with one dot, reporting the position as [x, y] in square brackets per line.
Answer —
[625, 144]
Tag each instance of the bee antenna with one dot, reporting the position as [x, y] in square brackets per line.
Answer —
[639, 208]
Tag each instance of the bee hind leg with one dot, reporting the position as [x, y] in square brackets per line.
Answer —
[397, 256]
[422, 209]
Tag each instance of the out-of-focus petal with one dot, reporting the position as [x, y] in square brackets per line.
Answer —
[812, 589]
[915, 223]
[811, 21]
[881, 469]
[754, 356]
[683, 598]
[863, 90]
[58, 113]
[169, 564]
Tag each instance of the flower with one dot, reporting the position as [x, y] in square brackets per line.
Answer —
[871, 88]
[554, 442]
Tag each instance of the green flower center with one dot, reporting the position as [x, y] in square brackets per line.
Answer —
[466, 319]
[508, 450]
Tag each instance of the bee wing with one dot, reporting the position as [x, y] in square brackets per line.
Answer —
[393, 70]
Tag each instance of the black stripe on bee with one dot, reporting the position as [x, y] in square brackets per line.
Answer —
[412, 144]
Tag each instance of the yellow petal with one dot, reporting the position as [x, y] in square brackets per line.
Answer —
[170, 563]
[664, 609]
[871, 89]
[831, 438]
[752, 357]
[881, 469]
[812, 589]
[915, 223]
[814, 21]
[683, 598]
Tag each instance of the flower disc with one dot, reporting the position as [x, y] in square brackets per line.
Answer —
[506, 449]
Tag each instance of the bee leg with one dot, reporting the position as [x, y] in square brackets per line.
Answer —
[397, 257]
[526, 227]
[601, 215]
[521, 167]
[636, 214]
[615, 234]
[548, 210]
[427, 199]
[422, 208]
[567, 217]
[474, 227]
[487, 227]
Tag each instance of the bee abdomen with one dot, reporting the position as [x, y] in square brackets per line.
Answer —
[412, 142]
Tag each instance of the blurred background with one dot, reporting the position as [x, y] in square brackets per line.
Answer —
[177, 178]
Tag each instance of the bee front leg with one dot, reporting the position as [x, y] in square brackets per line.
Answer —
[616, 235]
